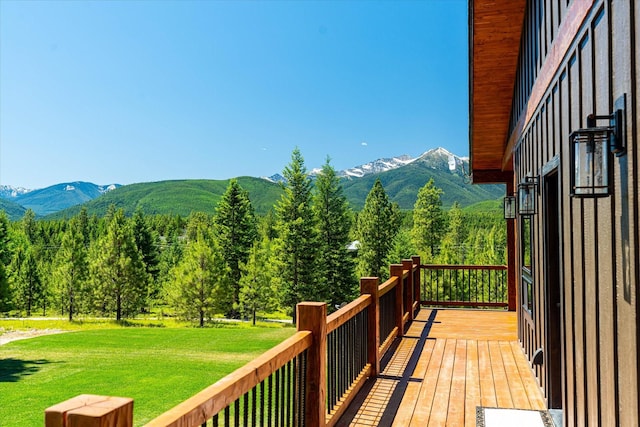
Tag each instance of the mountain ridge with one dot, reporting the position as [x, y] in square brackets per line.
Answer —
[402, 177]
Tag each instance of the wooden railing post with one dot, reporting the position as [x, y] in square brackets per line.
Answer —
[312, 316]
[416, 279]
[407, 265]
[88, 410]
[369, 286]
[512, 291]
[395, 270]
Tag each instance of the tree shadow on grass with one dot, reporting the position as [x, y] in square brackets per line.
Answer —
[13, 370]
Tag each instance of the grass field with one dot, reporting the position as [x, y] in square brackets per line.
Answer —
[156, 366]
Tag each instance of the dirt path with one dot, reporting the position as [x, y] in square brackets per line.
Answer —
[8, 336]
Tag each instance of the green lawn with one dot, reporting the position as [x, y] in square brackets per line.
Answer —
[157, 367]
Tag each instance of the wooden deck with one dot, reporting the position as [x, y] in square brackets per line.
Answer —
[448, 363]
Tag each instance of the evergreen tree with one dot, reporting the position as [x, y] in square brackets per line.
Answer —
[333, 221]
[196, 280]
[428, 221]
[296, 244]
[71, 268]
[146, 244]
[29, 226]
[268, 225]
[84, 226]
[28, 286]
[199, 226]
[5, 260]
[452, 249]
[378, 224]
[402, 247]
[257, 291]
[117, 269]
[236, 230]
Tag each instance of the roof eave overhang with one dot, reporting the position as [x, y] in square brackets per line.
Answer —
[495, 28]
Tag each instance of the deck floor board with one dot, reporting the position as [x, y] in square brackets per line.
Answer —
[469, 358]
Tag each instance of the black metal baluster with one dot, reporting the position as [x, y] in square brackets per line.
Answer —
[261, 410]
[236, 413]
[270, 401]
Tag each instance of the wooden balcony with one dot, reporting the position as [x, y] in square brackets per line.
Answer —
[448, 363]
[379, 360]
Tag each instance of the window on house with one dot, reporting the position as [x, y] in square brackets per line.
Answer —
[527, 293]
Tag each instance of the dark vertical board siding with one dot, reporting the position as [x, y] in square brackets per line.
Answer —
[589, 253]
[629, 342]
[604, 233]
[568, 306]
[576, 255]
[601, 329]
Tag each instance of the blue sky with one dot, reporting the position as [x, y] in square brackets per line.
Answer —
[137, 91]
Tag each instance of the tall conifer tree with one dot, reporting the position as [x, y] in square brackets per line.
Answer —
[333, 219]
[257, 291]
[196, 280]
[428, 220]
[296, 244]
[5, 260]
[378, 224]
[72, 268]
[236, 229]
[118, 270]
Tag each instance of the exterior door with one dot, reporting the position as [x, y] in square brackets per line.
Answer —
[553, 291]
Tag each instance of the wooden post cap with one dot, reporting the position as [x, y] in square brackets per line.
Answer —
[88, 410]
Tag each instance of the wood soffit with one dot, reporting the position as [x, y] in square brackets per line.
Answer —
[495, 28]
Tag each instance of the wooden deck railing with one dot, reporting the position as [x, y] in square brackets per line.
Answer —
[307, 380]
[464, 285]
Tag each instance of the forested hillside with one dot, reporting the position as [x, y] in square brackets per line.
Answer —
[177, 197]
[231, 260]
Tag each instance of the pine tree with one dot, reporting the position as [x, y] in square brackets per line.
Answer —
[197, 279]
[257, 291]
[27, 281]
[452, 250]
[428, 221]
[296, 244]
[71, 268]
[5, 260]
[333, 219]
[402, 247]
[29, 226]
[236, 230]
[117, 269]
[146, 244]
[378, 224]
[199, 226]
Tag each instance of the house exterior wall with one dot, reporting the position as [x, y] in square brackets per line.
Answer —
[578, 57]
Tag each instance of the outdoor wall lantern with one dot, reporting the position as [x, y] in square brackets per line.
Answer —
[509, 205]
[527, 196]
[590, 154]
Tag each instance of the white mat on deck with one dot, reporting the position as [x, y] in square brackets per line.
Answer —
[498, 417]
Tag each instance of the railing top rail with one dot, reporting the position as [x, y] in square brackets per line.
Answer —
[387, 286]
[205, 404]
[342, 316]
[462, 267]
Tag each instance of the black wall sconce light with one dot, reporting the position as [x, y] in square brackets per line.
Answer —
[510, 207]
[590, 150]
[527, 196]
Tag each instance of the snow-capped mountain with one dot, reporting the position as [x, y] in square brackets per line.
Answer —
[56, 197]
[436, 158]
[9, 192]
[377, 166]
[276, 177]
[441, 159]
